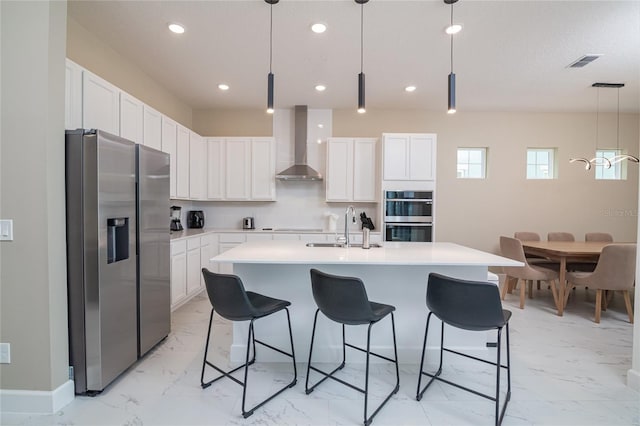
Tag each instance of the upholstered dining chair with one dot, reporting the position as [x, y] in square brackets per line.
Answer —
[598, 236]
[615, 271]
[560, 236]
[533, 259]
[512, 248]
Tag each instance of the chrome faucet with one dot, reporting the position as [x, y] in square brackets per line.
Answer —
[350, 210]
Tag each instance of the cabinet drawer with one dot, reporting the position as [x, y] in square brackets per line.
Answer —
[232, 238]
[178, 247]
[259, 237]
[193, 243]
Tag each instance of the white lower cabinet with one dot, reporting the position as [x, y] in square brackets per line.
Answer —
[193, 266]
[178, 272]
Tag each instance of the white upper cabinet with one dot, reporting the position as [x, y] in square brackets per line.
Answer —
[182, 162]
[130, 118]
[351, 170]
[409, 156]
[241, 169]
[152, 128]
[263, 162]
[215, 169]
[169, 135]
[197, 167]
[100, 104]
[73, 96]
[238, 161]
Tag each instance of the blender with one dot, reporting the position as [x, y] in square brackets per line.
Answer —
[176, 212]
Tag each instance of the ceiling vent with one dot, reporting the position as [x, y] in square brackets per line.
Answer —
[585, 60]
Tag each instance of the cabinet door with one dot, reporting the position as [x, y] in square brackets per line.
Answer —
[193, 271]
[421, 157]
[395, 157]
[197, 167]
[100, 104]
[73, 96]
[237, 183]
[178, 277]
[169, 146]
[215, 169]
[208, 249]
[364, 170]
[182, 162]
[130, 118]
[152, 128]
[339, 177]
[263, 160]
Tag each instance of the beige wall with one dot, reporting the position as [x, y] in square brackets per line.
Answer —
[33, 281]
[88, 51]
[232, 122]
[477, 212]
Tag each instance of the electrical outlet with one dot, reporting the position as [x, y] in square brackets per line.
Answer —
[5, 353]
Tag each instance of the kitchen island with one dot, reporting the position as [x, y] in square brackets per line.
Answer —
[394, 274]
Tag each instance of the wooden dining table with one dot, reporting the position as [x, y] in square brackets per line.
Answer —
[564, 252]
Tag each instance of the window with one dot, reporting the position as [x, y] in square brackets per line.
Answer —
[615, 172]
[541, 163]
[472, 163]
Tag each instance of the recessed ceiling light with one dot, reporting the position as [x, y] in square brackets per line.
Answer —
[410, 89]
[176, 28]
[321, 125]
[223, 86]
[321, 88]
[319, 28]
[453, 29]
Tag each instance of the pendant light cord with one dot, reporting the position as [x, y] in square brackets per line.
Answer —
[597, 118]
[270, 35]
[361, 36]
[451, 38]
[618, 126]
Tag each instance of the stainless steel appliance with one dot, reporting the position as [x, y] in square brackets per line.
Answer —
[176, 212]
[195, 219]
[153, 247]
[117, 255]
[248, 223]
[408, 216]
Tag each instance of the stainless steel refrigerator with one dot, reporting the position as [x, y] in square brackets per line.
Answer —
[114, 200]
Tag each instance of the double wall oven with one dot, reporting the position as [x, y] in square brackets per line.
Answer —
[408, 216]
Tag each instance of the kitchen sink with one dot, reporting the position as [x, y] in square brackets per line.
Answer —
[339, 245]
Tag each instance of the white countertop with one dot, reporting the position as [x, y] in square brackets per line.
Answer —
[296, 252]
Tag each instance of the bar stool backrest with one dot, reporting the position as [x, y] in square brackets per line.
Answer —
[228, 296]
[470, 305]
[341, 299]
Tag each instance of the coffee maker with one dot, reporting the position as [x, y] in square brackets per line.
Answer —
[176, 212]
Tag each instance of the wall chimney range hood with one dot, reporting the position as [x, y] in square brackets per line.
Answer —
[300, 170]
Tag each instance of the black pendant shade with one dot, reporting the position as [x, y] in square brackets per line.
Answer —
[452, 94]
[361, 106]
[270, 93]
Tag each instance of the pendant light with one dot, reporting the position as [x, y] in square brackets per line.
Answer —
[361, 104]
[607, 162]
[451, 81]
[270, 81]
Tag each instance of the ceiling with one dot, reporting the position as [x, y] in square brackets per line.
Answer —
[510, 55]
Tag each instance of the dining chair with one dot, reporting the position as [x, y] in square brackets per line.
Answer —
[560, 236]
[615, 271]
[533, 258]
[512, 248]
[230, 300]
[598, 236]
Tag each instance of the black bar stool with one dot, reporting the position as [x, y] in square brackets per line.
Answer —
[344, 300]
[469, 305]
[230, 300]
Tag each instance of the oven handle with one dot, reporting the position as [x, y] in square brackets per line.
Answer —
[411, 200]
[408, 219]
[389, 225]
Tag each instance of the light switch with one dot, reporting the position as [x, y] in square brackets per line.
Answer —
[5, 353]
[6, 230]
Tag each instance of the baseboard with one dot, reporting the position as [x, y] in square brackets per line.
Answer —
[633, 379]
[40, 402]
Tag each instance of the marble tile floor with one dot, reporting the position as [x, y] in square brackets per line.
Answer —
[565, 371]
